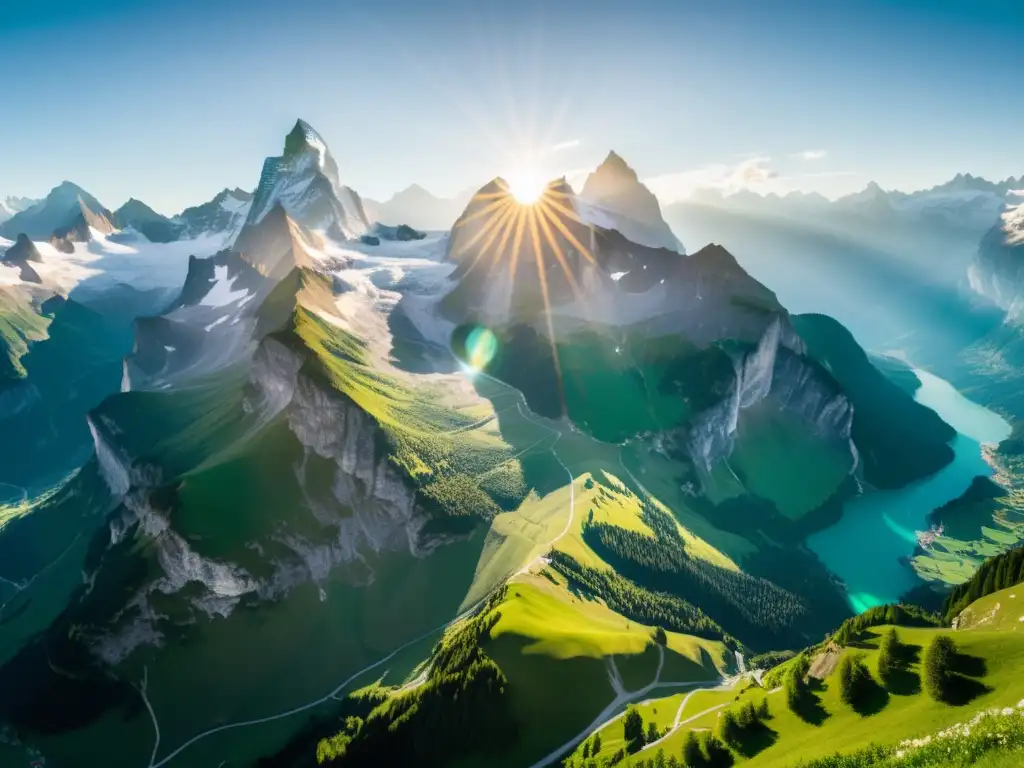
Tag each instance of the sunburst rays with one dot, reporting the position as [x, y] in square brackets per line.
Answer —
[545, 225]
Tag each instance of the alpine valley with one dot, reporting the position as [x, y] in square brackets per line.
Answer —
[291, 478]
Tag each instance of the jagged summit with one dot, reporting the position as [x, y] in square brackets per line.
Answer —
[304, 180]
[613, 197]
[224, 215]
[614, 164]
[143, 219]
[59, 210]
[20, 255]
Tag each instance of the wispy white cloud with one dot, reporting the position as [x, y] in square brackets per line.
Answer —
[754, 173]
[749, 173]
[811, 154]
[563, 145]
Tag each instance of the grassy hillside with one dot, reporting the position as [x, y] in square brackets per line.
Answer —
[989, 663]
[1001, 611]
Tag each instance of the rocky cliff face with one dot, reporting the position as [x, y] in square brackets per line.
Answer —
[367, 508]
[997, 272]
[775, 370]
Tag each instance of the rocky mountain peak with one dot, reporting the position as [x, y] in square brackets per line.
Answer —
[615, 165]
[615, 198]
[304, 180]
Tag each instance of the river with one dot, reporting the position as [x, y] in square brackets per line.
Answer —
[878, 529]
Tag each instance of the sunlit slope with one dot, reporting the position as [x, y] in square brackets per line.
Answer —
[991, 662]
[312, 522]
[1002, 611]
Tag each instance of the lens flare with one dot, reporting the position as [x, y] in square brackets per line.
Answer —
[481, 346]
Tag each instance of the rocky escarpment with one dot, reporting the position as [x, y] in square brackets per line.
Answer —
[776, 371]
[376, 505]
[997, 272]
[334, 529]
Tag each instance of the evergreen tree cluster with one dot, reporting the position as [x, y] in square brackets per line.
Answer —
[636, 602]
[769, 660]
[462, 708]
[900, 614]
[734, 727]
[996, 573]
[753, 608]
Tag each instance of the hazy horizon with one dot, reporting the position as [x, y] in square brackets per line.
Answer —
[794, 97]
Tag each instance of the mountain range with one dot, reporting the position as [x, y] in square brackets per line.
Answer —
[294, 487]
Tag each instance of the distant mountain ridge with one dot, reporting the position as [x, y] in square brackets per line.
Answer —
[418, 208]
[59, 210]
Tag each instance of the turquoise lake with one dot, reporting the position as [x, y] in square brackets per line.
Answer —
[865, 547]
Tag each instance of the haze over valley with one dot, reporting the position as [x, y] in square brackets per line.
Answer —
[582, 460]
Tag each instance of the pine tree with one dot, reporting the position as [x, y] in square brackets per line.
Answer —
[938, 663]
[633, 730]
[763, 710]
[596, 746]
[693, 755]
[729, 728]
[716, 753]
[795, 688]
[586, 750]
[890, 656]
[652, 732]
[660, 637]
[854, 680]
[748, 715]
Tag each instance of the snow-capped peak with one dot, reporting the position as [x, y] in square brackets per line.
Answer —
[10, 206]
[305, 181]
[1013, 224]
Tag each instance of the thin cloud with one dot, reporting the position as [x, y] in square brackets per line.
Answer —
[757, 174]
[811, 154]
[752, 172]
[563, 145]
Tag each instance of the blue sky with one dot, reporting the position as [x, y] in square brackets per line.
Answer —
[172, 101]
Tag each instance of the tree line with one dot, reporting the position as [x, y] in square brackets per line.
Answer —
[754, 609]
[896, 614]
[639, 603]
[996, 573]
[462, 708]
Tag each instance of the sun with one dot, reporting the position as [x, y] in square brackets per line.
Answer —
[526, 185]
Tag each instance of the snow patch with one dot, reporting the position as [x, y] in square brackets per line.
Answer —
[216, 322]
[221, 294]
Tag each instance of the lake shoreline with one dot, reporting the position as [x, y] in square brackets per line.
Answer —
[869, 547]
